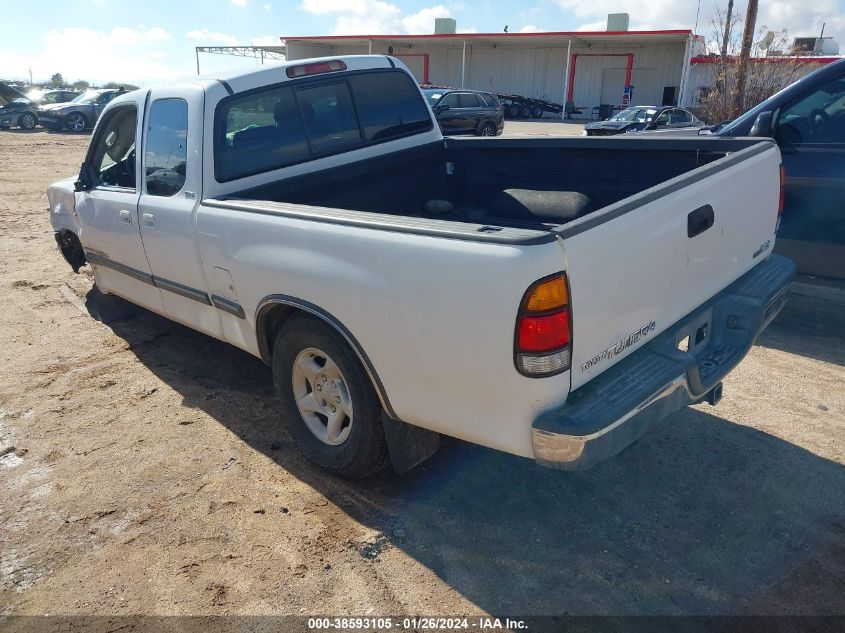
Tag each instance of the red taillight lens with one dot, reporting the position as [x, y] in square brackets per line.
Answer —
[543, 333]
[782, 190]
[316, 68]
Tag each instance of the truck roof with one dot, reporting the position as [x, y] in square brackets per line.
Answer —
[274, 73]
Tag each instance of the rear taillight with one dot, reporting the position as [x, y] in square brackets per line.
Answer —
[316, 68]
[782, 190]
[543, 339]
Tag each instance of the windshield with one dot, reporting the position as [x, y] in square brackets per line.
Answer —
[634, 114]
[86, 97]
[433, 95]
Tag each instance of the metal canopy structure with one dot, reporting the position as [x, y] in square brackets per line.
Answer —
[256, 52]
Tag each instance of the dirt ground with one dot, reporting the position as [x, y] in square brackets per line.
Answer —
[144, 470]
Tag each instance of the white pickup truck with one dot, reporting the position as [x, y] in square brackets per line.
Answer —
[548, 297]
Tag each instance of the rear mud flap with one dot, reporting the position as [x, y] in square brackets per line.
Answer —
[409, 445]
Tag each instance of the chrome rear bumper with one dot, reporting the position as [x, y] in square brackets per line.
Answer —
[614, 409]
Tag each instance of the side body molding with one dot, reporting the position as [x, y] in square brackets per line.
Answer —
[261, 324]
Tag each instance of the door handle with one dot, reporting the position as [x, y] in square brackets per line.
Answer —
[125, 217]
[148, 220]
[700, 220]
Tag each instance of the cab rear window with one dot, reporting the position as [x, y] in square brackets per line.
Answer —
[292, 123]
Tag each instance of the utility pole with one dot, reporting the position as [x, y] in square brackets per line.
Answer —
[744, 54]
[726, 38]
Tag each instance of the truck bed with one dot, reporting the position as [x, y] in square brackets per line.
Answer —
[505, 182]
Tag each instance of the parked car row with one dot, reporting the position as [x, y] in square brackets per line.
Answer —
[644, 118]
[57, 109]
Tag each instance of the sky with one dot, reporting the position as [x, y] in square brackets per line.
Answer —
[148, 41]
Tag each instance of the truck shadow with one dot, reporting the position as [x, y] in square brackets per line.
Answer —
[812, 326]
[701, 516]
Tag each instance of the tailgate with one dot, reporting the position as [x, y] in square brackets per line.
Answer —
[641, 264]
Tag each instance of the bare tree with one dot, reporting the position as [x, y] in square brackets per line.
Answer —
[726, 38]
[766, 74]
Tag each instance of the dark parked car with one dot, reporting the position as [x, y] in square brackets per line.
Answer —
[466, 111]
[23, 112]
[644, 118]
[807, 120]
[78, 115]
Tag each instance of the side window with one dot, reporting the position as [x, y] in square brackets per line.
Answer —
[816, 118]
[404, 113]
[680, 116]
[468, 100]
[663, 119]
[258, 132]
[112, 157]
[450, 100]
[329, 117]
[166, 151]
[53, 97]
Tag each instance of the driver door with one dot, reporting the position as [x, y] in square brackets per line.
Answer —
[811, 136]
[109, 229]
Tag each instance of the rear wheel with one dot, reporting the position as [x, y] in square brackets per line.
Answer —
[328, 402]
[525, 112]
[27, 121]
[488, 129]
[514, 111]
[76, 122]
[536, 112]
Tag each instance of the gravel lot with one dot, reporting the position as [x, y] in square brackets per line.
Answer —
[144, 470]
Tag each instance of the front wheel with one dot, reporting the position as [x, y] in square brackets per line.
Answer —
[328, 402]
[27, 121]
[76, 122]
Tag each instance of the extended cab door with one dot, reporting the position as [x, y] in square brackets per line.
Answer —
[811, 134]
[109, 229]
[170, 194]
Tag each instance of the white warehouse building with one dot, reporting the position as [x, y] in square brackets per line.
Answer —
[584, 69]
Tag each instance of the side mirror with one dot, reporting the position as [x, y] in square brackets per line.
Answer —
[762, 125]
[441, 108]
[83, 183]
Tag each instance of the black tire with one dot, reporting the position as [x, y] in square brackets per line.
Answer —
[27, 121]
[537, 112]
[525, 111]
[364, 452]
[514, 110]
[76, 122]
[488, 129]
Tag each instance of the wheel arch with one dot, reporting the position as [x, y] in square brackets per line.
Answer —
[274, 310]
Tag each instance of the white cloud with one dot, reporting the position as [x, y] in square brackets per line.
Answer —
[267, 7]
[239, 3]
[204, 36]
[265, 40]
[422, 22]
[797, 16]
[373, 17]
[529, 28]
[122, 54]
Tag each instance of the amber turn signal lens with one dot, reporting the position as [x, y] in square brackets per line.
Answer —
[549, 295]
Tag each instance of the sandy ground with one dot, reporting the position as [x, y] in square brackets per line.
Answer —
[547, 126]
[144, 470]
